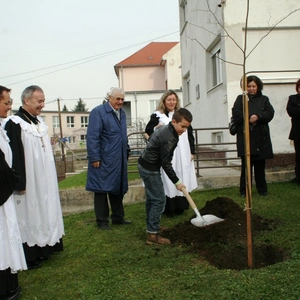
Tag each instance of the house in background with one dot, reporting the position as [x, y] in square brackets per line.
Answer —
[212, 34]
[73, 126]
[144, 76]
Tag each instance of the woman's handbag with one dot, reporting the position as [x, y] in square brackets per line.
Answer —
[232, 127]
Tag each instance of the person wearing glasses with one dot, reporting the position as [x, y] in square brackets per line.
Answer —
[108, 151]
[12, 258]
[293, 110]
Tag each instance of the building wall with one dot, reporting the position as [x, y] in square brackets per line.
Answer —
[173, 68]
[200, 31]
[142, 78]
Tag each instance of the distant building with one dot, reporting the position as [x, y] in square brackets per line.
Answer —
[74, 127]
[144, 76]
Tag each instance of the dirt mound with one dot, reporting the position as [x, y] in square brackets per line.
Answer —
[224, 244]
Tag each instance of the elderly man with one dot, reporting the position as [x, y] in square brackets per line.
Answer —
[37, 199]
[108, 150]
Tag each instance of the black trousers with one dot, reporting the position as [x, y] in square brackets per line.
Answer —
[102, 209]
[297, 158]
[259, 175]
[34, 253]
[8, 281]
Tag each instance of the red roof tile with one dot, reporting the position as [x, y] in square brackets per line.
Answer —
[148, 56]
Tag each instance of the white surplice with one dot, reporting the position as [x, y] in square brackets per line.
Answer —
[39, 209]
[11, 249]
[181, 162]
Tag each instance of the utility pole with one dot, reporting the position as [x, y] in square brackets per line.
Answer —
[61, 137]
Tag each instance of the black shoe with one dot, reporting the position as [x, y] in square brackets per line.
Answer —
[263, 193]
[104, 227]
[33, 265]
[122, 222]
[294, 180]
[13, 295]
[41, 258]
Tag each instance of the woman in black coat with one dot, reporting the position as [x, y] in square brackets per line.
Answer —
[293, 110]
[261, 112]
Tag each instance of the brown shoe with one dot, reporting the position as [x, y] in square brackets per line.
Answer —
[154, 238]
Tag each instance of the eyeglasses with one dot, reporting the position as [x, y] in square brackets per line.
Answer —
[8, 103]
[119, 99]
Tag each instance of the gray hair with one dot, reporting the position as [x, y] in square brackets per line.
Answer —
[115, 90]
[27, 93]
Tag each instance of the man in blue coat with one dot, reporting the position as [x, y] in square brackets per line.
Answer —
[107, 147]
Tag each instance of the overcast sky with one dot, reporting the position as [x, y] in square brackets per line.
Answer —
[69, 47]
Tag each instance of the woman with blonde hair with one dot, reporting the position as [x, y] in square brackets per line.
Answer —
[182, 162]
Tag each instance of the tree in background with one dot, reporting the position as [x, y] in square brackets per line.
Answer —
[80, 106]
[65, 108]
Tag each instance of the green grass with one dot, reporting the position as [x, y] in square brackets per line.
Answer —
[79, 180]
[117, 264]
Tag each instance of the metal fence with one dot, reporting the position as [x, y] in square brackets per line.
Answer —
[207, 155]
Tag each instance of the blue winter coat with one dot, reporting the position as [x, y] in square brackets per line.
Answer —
[107, 142]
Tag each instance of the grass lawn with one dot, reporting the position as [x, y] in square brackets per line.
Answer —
[117, 264]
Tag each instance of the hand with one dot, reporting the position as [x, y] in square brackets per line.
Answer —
[180, 186]
[253, 119]
[192, 156]
[96, 164]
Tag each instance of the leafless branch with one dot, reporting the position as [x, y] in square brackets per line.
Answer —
[222, 26]
[272, 28]
[226, 61]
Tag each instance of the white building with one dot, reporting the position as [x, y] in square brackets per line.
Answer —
[212, 38]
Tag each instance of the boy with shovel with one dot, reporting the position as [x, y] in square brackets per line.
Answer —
[158, 154]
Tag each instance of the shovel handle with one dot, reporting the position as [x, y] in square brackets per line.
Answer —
[189, 199]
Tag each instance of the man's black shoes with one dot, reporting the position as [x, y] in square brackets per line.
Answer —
[122, 222]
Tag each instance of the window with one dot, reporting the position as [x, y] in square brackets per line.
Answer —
[215, 66]
[70, 122]
[84, 121]
[217, 138]
[83, 137]
[153, 105]
[55, 121]
[186, 89]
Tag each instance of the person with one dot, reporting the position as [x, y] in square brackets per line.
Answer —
[158, 154]
[183, 156]
[12, 257]
[261, 112]
[37, 199]
[108, 150]
[293, 110]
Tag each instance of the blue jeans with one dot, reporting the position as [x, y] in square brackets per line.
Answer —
[155, 198]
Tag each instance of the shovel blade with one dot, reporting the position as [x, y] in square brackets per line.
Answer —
[205, 220]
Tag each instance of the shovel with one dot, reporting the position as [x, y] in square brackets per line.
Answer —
[200, 221]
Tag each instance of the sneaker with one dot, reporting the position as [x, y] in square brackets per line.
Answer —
[154, 238]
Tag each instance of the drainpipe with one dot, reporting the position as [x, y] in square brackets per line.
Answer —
[135, 100]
